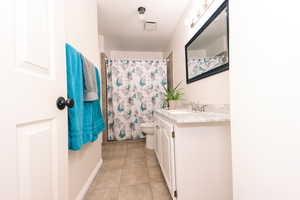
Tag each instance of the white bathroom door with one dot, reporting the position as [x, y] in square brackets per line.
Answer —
[33, 132]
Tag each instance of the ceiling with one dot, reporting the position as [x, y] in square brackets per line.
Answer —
[121, 27]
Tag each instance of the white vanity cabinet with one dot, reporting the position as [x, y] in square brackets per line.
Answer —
[194, 156]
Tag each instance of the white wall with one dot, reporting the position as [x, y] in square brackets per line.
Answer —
[81, 32]
[110, 44]
[101, 43]
[136, 54]
[196, 54]
[211, 90]
[265, 98]
[112, 49]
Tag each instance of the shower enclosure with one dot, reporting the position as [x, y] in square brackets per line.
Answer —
[134, 90]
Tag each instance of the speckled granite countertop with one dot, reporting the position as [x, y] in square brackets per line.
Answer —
[182, 116]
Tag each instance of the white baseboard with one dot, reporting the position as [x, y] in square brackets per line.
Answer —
[88, 183]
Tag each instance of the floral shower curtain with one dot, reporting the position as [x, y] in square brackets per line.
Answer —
[134, 89]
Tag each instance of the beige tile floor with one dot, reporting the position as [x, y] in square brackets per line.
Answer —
[129, 172]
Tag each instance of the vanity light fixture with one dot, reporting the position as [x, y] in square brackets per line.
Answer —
[196, 14]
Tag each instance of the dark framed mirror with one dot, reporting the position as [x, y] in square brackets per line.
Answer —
[207, 53]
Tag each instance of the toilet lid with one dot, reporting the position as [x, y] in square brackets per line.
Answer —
[147, 124]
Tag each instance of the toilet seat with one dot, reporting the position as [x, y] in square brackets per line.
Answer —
[147, 124]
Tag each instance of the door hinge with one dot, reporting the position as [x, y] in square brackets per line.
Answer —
[175, 193]
[173, 134]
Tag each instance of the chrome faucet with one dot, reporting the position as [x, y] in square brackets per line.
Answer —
[196, 107]
[202, 108]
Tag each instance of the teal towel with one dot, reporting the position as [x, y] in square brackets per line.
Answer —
[75, 91]
[85, 120]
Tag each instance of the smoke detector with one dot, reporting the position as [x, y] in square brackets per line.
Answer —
[150, 26]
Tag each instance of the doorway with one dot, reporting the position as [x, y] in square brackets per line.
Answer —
[170, 70]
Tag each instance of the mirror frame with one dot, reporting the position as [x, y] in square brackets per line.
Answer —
[219, 69]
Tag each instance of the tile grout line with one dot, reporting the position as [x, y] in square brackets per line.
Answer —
[122, 166]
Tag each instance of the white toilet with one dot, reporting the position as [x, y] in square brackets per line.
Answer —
[148, 129]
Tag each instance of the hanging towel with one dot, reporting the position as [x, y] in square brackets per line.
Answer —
[75, 91]
[93, 122]
[85, 119]
[90, 83]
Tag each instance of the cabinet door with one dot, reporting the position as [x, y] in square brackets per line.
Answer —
[165, 152]
[165, 142]
[172, 185]
[168, 160]
[159, 144]
[156, 136]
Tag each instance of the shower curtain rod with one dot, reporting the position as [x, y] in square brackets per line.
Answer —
[135, 58]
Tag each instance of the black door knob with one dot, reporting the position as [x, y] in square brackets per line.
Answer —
[61, 103]
[70, 103]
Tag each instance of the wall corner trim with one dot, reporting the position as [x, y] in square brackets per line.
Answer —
[89, 181]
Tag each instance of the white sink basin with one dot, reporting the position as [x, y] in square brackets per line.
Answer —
[179, 112]
[186, 116]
